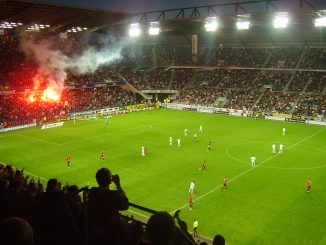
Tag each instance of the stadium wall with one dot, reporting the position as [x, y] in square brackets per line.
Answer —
[243, 113]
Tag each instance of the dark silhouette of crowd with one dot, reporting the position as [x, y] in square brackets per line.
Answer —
[31, 214]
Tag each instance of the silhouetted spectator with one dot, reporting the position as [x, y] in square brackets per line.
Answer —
[16, 231]
[104, 207]
[160, 229]
[51, 219]
[219, 240]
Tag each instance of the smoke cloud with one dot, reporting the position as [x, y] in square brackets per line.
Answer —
[53, 63]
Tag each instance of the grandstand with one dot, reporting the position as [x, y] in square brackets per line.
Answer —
[63, 65]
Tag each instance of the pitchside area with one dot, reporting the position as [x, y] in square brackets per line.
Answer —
[267, 204]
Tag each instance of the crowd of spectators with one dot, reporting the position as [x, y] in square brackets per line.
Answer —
[277, 102]
[317, 83]
[239, 56]
[32, 214]
[145, 68]
[284, 57]
[240, 99]
[17, 109]
[102, 75]
[157, 78]
[181, 77]
[314, 58]
[311, 105]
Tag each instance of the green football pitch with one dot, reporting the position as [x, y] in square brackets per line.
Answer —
[267, 204]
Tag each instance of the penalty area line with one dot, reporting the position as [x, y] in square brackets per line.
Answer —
[29, 173]
[246, 171]
[121, 131]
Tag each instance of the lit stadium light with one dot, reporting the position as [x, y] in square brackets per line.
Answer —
[280, 21]
[154, 28]
[36, 27]
[211, 24]
[243, 25]
[134, 30]
[320, 22]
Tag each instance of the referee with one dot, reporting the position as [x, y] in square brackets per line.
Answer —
[195, 225]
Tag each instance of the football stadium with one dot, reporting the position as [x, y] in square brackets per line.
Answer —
[201, 124]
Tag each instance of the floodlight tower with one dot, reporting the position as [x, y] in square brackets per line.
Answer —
[281, 20]
[154, 28]
[134, 30]
[211, 24]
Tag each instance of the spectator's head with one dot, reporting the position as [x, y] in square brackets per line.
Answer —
[4, 184]
[52, 185]
[72, 190]
[103, 177]
[219, 240]
[31, 186]
[160, 228]
[16, 231]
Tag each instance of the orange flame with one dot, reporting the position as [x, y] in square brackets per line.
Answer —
[50, 95]
[31, 98]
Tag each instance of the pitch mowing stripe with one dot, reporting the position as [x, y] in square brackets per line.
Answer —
[38, 139]
[121, 131]
[248, 170]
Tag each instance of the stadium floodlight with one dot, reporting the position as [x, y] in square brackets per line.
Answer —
[211, 24]
[280, 21]
[154, 28]
[134, 30]
[320, 22]
[243, 25]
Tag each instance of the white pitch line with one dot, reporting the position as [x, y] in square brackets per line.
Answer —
[35, 175]
[143, 215]
[299, 142]
[248, 170]
[114, 132]
[29, 173]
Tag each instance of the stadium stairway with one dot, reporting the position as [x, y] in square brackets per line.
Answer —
[256, 102]
[324, 91]
[294, 72]
[171, 78]
[267, 59]
[128, 86]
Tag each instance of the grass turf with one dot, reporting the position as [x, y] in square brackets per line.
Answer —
[267, 204]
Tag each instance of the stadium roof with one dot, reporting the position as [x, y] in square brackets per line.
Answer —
[58, 17]
[177, 25]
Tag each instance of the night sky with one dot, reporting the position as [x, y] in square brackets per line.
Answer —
[139, 6]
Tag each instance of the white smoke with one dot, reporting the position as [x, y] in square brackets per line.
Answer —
[53, 64]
